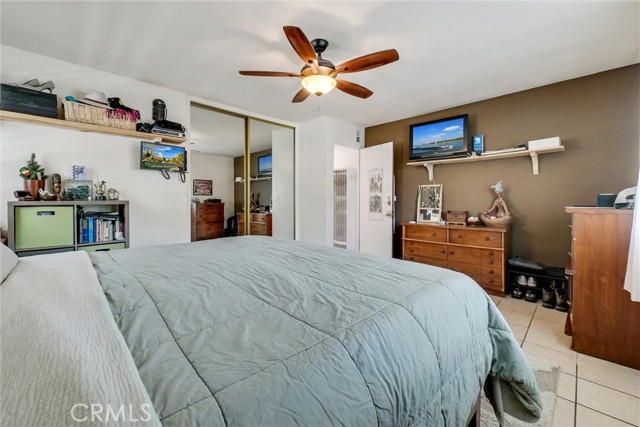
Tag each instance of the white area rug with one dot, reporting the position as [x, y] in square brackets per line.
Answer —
[547, 376]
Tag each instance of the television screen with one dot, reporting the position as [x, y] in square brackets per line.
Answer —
[442, 138]
[160, 156]
[264, 165]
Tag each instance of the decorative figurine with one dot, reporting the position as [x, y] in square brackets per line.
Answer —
[498, 214]
[57, 186]
[101, 188]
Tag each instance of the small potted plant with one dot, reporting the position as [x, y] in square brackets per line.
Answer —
[34, 177]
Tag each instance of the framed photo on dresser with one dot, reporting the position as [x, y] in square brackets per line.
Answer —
[429, 203]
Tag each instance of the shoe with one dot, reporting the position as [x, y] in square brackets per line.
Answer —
[562, 299]
[531, 296]
[549, 295]
[531, 282]
[521, 280]
[517, 293]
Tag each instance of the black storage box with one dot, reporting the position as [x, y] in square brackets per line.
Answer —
[27, 101]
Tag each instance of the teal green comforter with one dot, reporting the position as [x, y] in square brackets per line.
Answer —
[255, 331]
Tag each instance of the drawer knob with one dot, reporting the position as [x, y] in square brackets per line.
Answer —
[451, 252]
[490, 262]
[486, 238]
[459, 236]
[434, 234]
[490, 271]
[412, 232]
[443, 252]
[490, 281]
[490, 253]
[410, 251]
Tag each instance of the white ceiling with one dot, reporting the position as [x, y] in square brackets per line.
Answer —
[451, 53]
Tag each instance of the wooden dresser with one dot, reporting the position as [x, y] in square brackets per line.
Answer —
[207, 221]
[605, 322]
[260, 224]
[479, 252]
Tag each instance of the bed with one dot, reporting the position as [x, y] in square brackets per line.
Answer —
[251, 331]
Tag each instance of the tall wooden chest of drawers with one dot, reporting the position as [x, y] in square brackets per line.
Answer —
[260, 224]
[605, 322]
[479, 252]
[207, 221]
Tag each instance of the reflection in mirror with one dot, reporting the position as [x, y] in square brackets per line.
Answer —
[216, 141]
[272, 179]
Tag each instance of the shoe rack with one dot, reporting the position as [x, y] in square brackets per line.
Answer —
[534, 280]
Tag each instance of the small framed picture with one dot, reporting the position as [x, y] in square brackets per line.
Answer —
[78, 189]
[202, 187]
[478, 144]
[429, 203]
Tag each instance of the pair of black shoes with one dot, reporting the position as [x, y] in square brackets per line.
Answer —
[556, 296]
[529, 295]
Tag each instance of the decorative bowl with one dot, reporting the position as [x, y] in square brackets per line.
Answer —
[501, 221]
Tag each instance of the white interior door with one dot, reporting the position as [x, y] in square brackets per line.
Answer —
[376, 200]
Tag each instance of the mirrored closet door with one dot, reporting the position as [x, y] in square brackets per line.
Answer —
[250, 194]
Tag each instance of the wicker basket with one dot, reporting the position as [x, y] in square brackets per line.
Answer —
[83, 113]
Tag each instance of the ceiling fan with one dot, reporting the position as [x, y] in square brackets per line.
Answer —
[318, 74]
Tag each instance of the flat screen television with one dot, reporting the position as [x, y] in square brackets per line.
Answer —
[157, 156]
[264, 166]
[443, 138]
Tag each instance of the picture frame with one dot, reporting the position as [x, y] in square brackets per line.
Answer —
[478, 144]
[78, 189]
[202, 187]
[429, 207]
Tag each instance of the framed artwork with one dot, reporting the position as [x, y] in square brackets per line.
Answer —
[78, 189]
[429, 203]
[375, 194]
[202, 187]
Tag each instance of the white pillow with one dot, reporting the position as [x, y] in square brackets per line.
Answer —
[8, 260]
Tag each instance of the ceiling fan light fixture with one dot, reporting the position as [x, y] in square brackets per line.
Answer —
[319, 84]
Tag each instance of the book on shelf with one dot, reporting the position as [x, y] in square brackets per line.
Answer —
[97, 227]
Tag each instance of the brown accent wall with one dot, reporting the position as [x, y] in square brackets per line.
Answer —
[597, 120]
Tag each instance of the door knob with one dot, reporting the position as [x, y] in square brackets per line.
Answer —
[388, 214]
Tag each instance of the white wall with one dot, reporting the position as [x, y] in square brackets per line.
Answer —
[218, 169]
[315, 174]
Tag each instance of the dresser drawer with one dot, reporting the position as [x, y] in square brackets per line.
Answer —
[426, 260]
[211, 230]
[492, 258]
[464, 254]
[430, 250]
[472, 270]
[492, 276]
[258, 229]
[488, 239]
[256, 217]
[421, 232]
[43, 226]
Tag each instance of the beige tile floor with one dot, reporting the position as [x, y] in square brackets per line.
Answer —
[591, 392]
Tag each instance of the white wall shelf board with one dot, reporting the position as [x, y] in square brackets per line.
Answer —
[429, 164]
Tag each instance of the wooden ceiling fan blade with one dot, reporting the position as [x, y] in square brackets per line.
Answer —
[301, 95]
[353, 89]
[269, 74]
[300, 43]
[369, 61]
